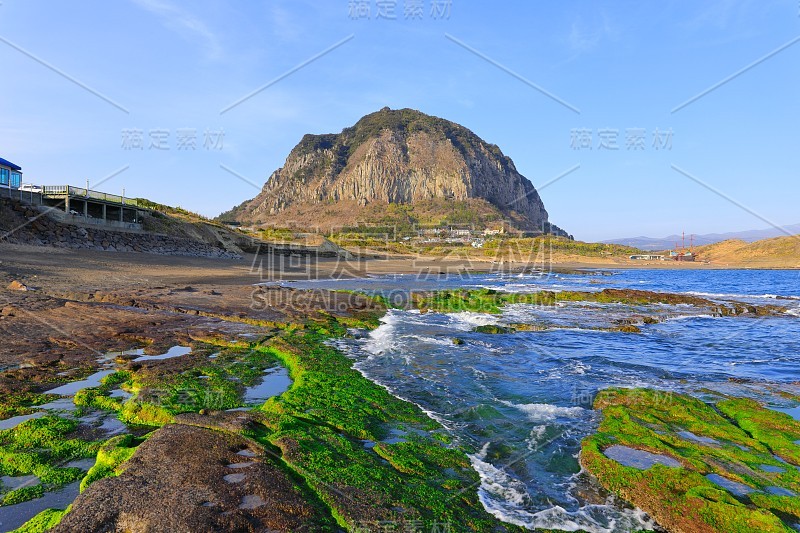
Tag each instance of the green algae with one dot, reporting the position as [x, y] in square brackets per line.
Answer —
[493, 329]
[778, 431]
[217, 384]
[42, 522]
[23, 495]
[39, 447]
[110, 458]
[20, 403]
[320, 425]
[683, 498]
[315, 431]
[492, 301]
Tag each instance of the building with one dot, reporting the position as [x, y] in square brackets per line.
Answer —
[10, 174]
[683, 256]
[647, 257]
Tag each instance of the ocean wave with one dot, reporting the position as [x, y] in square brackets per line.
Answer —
[536, 436]
[793, 312]
[687, 317]
[444, 422]
[467, 320]
[440, 341]
[506, 497]
[381, 339]
[543, 412]
[735, 295]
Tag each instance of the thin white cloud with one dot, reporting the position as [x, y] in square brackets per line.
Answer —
[284, 24]
[718, 13]
[184, 23]
[584, 37]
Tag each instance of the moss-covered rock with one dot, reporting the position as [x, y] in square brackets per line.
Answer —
[724, 476]
[493, 329]
[40, 447]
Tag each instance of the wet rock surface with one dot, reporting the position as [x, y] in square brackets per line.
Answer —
[186, 469]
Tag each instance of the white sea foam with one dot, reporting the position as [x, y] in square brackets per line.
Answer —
[793, 312]
[580, 368]
[467, 320]
[506, 497]
[543, 412]
[536, 436]
[440, 341]
[688, 317]
[735, 295]
[382, 338]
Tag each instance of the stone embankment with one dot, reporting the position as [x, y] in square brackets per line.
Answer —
[20, 224]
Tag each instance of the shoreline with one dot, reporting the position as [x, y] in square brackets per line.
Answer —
[156, 302]
[294, 435]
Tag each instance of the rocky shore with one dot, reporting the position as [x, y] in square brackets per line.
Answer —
[334, 452]
[134, 386]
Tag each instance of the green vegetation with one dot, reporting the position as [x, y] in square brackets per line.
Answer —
[391, 223]
[216, 384]
[37, 447]
[320, 426]
[172, 211]
[44, 521]
[491, 301]
[20, 403]
[682, 498]
[548, 245]
[110, 457]
[281, 235]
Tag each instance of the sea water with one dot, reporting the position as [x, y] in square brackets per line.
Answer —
[523, 401]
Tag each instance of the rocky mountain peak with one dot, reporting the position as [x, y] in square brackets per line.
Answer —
[401, 157]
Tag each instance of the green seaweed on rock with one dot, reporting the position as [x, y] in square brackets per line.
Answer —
[705, 441]
[40, 447]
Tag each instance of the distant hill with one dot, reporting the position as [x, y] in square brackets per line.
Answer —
[395, 166]
[775, 252]
[652, 244]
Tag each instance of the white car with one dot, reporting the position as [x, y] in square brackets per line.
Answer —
[29, 187]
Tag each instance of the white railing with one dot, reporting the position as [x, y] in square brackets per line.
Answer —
[59, 191]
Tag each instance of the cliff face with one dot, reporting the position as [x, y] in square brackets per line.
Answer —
[399, 157]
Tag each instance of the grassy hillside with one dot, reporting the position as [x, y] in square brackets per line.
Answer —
[179, 222]
[517, 249]
[775, 252]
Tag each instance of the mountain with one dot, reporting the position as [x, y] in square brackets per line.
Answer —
[777, 252]
[665, 243]
[395, 166]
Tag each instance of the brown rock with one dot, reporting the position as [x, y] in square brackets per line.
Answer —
[186, 478]
[393, 156]
[18, 286]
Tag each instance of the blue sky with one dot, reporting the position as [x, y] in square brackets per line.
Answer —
[173, 67]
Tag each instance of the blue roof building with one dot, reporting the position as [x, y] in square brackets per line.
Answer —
[10, 174]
